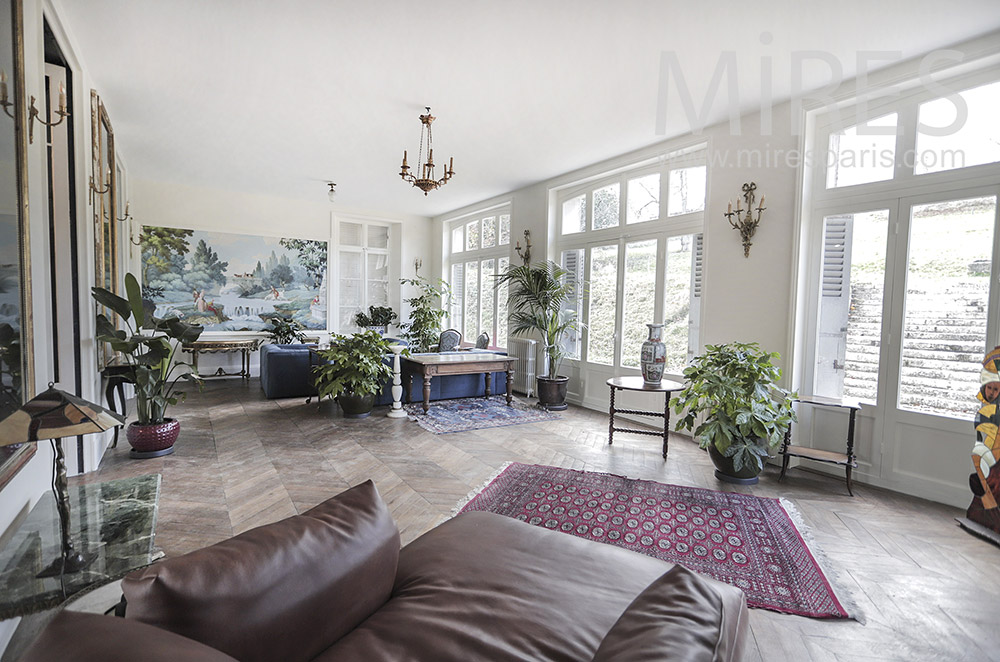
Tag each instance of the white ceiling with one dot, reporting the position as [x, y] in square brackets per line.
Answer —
[277, 96]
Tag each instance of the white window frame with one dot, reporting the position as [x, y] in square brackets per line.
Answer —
[479, 255]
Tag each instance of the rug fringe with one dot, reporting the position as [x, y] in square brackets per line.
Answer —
[462, 503]
[838, 581]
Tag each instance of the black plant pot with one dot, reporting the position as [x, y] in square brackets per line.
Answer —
[552, 392]
[725, 471]
[356, 406]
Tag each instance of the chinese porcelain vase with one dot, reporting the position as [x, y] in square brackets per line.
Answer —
[654, 355]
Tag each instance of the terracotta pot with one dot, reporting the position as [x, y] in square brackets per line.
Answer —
[552, 392]
[356, 406]
[154, 439]
[725, 471]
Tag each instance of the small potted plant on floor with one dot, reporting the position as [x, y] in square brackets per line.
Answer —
[147, 345]
[353, 371]
[285, 331]
[378, 319]
[746, 413]
[537, 298]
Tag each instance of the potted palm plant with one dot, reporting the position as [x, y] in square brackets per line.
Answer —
[746, 413]
[148, 345]
[537, 298]
[353, 371]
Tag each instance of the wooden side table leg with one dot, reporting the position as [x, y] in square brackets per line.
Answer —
[489, 382]
[784, 454]
[109, 395]
[510, 387]
[427, 393]
[611, 416]
[666, 422]
[850, 450]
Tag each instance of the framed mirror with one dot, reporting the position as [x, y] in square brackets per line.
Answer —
[104, 185]
[16, 364]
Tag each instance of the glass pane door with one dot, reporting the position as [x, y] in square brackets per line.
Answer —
[603, 300]
[638, 298]
[946, 303]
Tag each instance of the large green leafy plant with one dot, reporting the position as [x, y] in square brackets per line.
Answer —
[353, 365]
[147, 344]
[537, 296]
[426, 313]
[285, 331]
[746, 413]
[376, 316]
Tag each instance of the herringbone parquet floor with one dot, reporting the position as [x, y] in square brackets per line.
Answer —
[928, 590]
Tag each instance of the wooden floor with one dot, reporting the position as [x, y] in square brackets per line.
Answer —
[928, 590]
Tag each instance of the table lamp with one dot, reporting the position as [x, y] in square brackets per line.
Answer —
[52, 415]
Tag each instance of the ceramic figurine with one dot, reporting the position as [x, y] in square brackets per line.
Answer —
[985, 480]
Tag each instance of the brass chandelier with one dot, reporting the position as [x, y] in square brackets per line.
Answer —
[426, 181]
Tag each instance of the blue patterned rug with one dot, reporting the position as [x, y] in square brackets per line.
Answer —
[462, 414]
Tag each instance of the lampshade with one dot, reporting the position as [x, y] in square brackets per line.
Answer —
[55, 414]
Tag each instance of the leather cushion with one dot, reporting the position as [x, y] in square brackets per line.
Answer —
[78, 637]
[486, 587]
[680, 617]
[284, 591]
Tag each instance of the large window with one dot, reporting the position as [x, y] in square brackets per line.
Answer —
[479, 249]
[634, 237]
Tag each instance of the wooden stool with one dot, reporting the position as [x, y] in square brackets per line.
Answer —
[847, 459]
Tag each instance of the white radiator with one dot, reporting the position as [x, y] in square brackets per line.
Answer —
[524, 369]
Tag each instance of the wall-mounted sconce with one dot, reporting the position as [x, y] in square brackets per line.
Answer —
[35, 114]
[131, 236]
[127, 216]
[100, 191]
[745, 221]
[526, 255]
[4, 101]
[417, 263]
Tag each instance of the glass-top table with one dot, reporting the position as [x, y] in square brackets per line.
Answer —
[112, 521]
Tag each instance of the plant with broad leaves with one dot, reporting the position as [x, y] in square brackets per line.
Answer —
[354, 365]
[285, 331]
[147, 344]
[746, 413]
[376, 316]
[426, 313]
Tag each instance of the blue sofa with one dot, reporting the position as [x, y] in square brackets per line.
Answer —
[286, 372]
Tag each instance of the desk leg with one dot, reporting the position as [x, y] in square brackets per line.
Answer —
[510, 387]
[666, 422]
[427, 393]
[611, 415]
[489, 383]
[109, 395]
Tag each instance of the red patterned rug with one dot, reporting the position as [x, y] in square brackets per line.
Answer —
[738, 539]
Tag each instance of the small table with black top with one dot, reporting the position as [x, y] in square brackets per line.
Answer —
[847, 460]
[636, 383]
[118, 373]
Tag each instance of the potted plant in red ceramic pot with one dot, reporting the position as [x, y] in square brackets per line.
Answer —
[147, 345]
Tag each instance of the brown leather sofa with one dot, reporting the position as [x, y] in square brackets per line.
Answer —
[333, 585]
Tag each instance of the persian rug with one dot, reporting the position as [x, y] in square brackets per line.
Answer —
[460, 414]
[746, 541]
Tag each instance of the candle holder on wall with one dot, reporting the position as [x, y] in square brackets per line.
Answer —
[745, 221]
[525, 255]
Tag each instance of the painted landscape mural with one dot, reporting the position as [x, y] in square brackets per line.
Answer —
[233, 282]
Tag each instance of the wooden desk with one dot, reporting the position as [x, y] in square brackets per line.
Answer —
[847, 460]
[244, 347]
[461, 364]
[636, 383]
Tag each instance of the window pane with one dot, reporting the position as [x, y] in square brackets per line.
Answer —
[605, 212]
[677, 310]
[489, 232]
[502, 315]
[947, 294]
[378, 236]
[574, 215]
[471, 301]
[458, 240]
[687, 190]
[455, 307]
[378, 279]
[603, 299]
[504, 229]
[638, 298]
[350, 287]
[643, 199]
[472, 236]
[350, 234]
[572, 261]
[975, 142]
[850, 305]
[488, 297]
[862, 154]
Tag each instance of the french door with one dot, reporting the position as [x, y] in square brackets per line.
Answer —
[908, 306]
